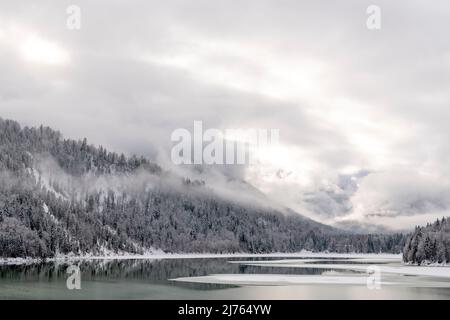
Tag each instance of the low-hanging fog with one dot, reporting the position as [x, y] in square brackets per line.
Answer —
[363, 114]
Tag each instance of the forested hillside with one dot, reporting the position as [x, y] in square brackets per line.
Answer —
[429, 244]
[60, 196]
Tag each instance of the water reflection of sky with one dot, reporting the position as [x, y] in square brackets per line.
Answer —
[142, 278]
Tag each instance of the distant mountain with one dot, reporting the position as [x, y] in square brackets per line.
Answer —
[429, 244]
[60, 196]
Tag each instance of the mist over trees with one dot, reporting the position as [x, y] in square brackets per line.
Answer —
[429, 244]
[60, 196]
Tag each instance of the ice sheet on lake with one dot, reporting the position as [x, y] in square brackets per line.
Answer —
[443, 272]
[277, 279]
[371, 260]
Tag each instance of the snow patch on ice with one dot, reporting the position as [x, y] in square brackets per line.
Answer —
[430, 271]
[277, 279]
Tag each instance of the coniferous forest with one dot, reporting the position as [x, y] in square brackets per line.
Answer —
[60, 196]
[429, 244]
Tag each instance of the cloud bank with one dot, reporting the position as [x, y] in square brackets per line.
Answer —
[347, 100]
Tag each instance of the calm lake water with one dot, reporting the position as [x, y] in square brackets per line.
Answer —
[219, 278]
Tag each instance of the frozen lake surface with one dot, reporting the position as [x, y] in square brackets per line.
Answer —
[274, 276]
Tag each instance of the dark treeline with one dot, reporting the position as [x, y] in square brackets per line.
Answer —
[40, 218]
[429, 244]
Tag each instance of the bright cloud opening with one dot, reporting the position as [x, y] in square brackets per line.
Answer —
[37, 50]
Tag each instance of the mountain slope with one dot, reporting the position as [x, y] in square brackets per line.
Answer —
[60, 196]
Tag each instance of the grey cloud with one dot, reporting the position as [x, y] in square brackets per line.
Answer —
[381, 102]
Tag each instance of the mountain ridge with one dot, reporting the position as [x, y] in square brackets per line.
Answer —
[61, 196]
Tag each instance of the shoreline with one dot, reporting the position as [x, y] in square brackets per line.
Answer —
[162, 255]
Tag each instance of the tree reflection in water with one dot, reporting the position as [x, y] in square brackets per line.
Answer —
[143, 270]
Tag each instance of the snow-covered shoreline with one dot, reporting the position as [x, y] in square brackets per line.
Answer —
[19, 261]
[427, 264]
[159, 255]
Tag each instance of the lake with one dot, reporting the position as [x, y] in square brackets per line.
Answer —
[296, 276]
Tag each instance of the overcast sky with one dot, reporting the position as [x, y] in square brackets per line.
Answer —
[363, 114]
